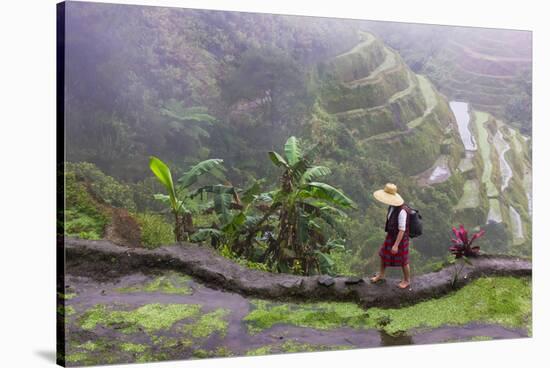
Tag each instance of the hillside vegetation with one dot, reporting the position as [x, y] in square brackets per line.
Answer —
[190, 85]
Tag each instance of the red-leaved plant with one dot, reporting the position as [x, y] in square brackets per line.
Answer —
[462, 246]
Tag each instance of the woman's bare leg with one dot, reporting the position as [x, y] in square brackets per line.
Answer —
[381, 273]
[406, 277]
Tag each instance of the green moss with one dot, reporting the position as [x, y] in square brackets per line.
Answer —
[66, 310]
[222, 351]
[67, 296]
[69, 310]
[292, 346]
[133, 348]
[208, 324]
[315, 315]
[262, 350]
[171, 283]
[505, 301]
[150, 317]
[170, 342]
[75, 357]
[91, 345]
[481, 338]
[147, 357]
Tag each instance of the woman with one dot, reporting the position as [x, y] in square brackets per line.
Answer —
[395, 250]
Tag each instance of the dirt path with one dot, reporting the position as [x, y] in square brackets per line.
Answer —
[101, 257]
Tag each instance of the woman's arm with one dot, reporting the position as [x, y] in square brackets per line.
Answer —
[395, 247]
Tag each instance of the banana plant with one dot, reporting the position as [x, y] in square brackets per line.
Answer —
[308, 212]
[178, 194]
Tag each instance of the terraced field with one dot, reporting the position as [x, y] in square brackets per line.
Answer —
[471, 196]
[483, 67]
[480, 118]
[495, 214]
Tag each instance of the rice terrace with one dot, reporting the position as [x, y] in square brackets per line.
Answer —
[229, 183]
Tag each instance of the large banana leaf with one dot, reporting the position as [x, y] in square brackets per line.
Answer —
[292, 151]
[302, 228]
[325, 262]
[249, 194]
[314, 173]
[163, 174]
[203, 234]
[222, 206]
[277, 159]
[326, 192]
[213, 166]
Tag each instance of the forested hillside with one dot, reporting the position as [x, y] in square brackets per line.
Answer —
[192, 85]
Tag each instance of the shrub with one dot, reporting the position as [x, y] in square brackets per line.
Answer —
[83, 218]
[155, 230]
[103, 186]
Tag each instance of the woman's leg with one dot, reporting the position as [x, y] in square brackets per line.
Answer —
[381, 273]
[406, 277]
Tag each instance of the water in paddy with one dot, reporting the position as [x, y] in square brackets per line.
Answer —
[505, 169]
[462, 116]
[517, 226]
[128, 293]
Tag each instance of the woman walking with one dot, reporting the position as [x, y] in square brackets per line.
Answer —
[395, 250]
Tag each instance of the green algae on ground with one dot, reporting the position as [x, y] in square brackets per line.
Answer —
[67, 296]
[293, 346]
[150, 317]
[171, 283]
[170, 342]
[208, 324]
[76, 357]
[221, 351]
[502, 300]
[133, 348]
[481, 338]
[262, 350]
[315, 315]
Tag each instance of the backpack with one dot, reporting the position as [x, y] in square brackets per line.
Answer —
[415, 223]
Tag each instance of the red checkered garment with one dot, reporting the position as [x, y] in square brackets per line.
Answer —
[401, 258]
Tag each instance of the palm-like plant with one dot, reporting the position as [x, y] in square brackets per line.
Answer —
[307, 209]
[179, 194]
[462, 249]
[462, 245]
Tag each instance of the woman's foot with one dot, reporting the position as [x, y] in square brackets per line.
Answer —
[403, 284]
[376, 278]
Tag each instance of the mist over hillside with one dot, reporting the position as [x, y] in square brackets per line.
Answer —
[188, 85]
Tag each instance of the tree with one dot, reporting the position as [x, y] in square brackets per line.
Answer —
[308, 213]
[179, 195]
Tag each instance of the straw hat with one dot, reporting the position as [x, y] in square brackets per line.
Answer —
[389, 195]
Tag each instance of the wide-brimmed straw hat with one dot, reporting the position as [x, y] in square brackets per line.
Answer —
[389, 195]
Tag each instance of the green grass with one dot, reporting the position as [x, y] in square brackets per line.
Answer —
[504, 301]
[155, 230]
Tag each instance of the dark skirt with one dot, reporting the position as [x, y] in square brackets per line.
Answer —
[401, 258]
